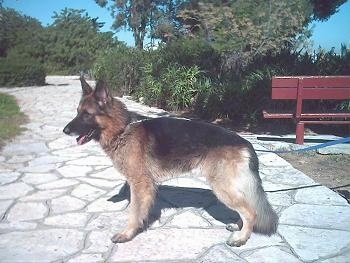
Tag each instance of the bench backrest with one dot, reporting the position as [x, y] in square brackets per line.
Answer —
[311, 87]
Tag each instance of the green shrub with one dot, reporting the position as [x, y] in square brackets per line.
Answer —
[256, 93]
[209, 102]
[21, 72]
[190, 52]
[121, 68]
[188, 74]
[151, 88]
[177, 88]
[183, 84]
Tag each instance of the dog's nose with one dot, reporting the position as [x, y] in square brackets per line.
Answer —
[67, 130]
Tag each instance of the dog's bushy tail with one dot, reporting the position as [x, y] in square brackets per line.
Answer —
[267, 219]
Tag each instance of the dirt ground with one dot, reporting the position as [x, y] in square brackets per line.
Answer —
[329, 170]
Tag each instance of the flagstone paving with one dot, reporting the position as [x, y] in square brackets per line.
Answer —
[61, 203]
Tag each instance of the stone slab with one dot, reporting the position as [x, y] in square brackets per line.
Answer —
[91, 160]
[220, 254]
[25, 148]
[38, 178]
[27, 211]
[47, 159]
[319, 196]
[169, 244]
[69, 220]
[273, 160]
[62, 183]
[20, 159]
[286, 176]
[100, 182]
[17, 225]
[87, 258]
[70, 171]
[188, 219]
[60, 143]
[72, 153]
[270, 255]
[318, 216]
[257, 241]
[335, 149]
[312, 244]
[280, 198]
[340, 258]
[14, 190]
[40, 246]
[108, 174]
[98, 242]
[40, 168]
[112, 221]
[4, 205]
[103, 205]
[44, 195]
[6, 178]
[66, 204]
[87, 192]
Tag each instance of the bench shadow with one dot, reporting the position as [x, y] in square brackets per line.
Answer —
[182, 197]
[59, 85]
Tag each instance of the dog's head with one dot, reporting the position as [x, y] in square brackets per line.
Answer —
[93, 103]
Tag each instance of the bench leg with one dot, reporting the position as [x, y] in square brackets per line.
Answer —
[300, 133]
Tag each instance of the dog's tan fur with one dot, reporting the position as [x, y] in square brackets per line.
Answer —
[145, 154]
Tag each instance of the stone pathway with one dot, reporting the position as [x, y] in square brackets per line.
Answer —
[59, 202]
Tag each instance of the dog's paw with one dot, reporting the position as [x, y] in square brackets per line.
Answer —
[235, 240]
[120, 238]
[235, 243]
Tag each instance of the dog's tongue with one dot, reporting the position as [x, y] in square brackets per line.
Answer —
[81, 139]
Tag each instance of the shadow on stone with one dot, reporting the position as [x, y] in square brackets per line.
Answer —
[59, 85]
[181, 197]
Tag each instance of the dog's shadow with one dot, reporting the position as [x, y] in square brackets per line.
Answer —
[182, 197]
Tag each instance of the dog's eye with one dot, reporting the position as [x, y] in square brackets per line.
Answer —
[86, 116]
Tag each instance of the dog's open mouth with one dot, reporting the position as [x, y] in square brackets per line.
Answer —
[84, 138]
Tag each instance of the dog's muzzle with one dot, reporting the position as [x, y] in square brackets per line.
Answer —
[67, 130]
[82, 137]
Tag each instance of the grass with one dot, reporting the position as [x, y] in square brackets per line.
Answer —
[10, 118]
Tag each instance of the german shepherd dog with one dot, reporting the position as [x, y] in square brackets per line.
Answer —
[149, 151]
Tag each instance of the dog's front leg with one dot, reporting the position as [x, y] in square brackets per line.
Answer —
[142, 196]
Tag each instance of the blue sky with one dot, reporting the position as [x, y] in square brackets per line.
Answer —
[325, 34]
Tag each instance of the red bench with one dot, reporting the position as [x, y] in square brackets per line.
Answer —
[301, 88]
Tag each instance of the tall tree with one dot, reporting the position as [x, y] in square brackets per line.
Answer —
[74, 41]
[166, 26]
[16, 30]
[142, 17]
[323, 9]
[253, 27]
[133, 14]
[222, 21]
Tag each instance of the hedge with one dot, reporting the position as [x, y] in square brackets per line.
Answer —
[18, 73]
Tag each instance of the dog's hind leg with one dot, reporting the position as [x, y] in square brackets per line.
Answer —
[233, 186]
[237, 202]
[142, 198]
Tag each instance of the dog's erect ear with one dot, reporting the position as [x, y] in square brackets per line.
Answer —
[85, 86]
[102, 93]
